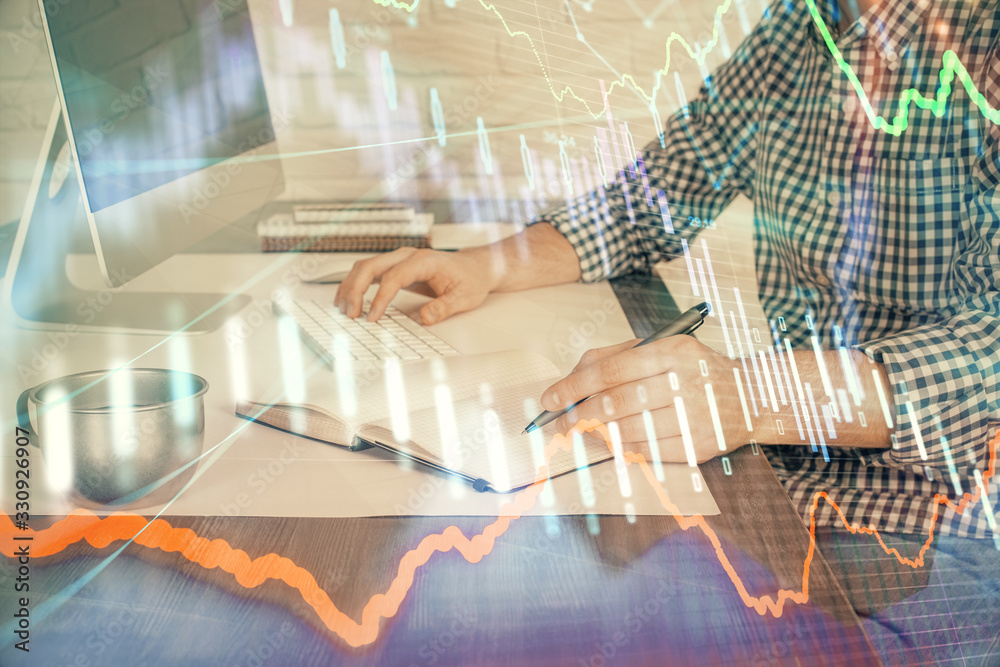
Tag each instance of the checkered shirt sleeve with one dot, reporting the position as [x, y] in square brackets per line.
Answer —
[680, 181]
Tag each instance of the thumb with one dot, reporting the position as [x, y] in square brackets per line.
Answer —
[439, 309]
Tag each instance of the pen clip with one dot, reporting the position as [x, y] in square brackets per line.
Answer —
[692, 328]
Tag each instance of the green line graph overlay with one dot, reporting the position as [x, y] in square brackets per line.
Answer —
[951, 66]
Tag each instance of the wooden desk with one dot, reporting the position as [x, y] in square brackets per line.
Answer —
[553, 590]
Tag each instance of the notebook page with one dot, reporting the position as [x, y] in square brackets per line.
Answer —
[484, 440]
[305, 420]
[376, 397]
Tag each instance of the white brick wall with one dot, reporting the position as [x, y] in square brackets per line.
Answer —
[26, 97]
[464, 52]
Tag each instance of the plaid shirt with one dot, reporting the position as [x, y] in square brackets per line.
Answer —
[885, 243]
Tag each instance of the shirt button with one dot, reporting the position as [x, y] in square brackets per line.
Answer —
[822, 280]
[860, 31]
[850, 104]
[833, 198]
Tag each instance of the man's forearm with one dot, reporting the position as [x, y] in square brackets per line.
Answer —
[537, 257]
[866, 426]
[541, 256]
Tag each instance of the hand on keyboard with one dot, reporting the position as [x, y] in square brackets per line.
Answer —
[332, 334]
[460, 280]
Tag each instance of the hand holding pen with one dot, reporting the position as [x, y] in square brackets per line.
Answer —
[686, 323]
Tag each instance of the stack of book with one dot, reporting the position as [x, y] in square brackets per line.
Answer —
[345, 228]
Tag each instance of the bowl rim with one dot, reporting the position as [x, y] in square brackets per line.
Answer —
[35, 391]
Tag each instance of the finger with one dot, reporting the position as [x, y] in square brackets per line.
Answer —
[616, 369]
[665, 450]
[629, 417]
[567, 420]
[350, 294]
[407, 272]
[446, 305]
[628, 399]
[661, 423]
[664, 435]
[656, 437]
[593, 356]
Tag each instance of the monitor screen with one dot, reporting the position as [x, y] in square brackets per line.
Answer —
[155, 91]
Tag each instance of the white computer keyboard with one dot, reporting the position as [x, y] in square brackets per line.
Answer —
[329, 332]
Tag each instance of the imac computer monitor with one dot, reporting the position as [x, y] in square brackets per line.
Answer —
[161, 136]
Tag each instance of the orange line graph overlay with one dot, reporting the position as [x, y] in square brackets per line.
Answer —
[159, 534]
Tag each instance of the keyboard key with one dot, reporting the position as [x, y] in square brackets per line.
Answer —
[331, 333]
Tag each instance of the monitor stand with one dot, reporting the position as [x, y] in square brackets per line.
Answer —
[39, 290]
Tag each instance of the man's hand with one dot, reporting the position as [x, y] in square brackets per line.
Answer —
[536, 257]
[460, 280]
[659, 378]
[666, 378]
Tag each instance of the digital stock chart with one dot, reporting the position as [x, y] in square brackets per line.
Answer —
[809, 480]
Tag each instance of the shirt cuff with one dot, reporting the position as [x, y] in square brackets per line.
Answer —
[603, 243]
[941, 413]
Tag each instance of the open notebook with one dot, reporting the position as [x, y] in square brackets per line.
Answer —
[460, 414]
